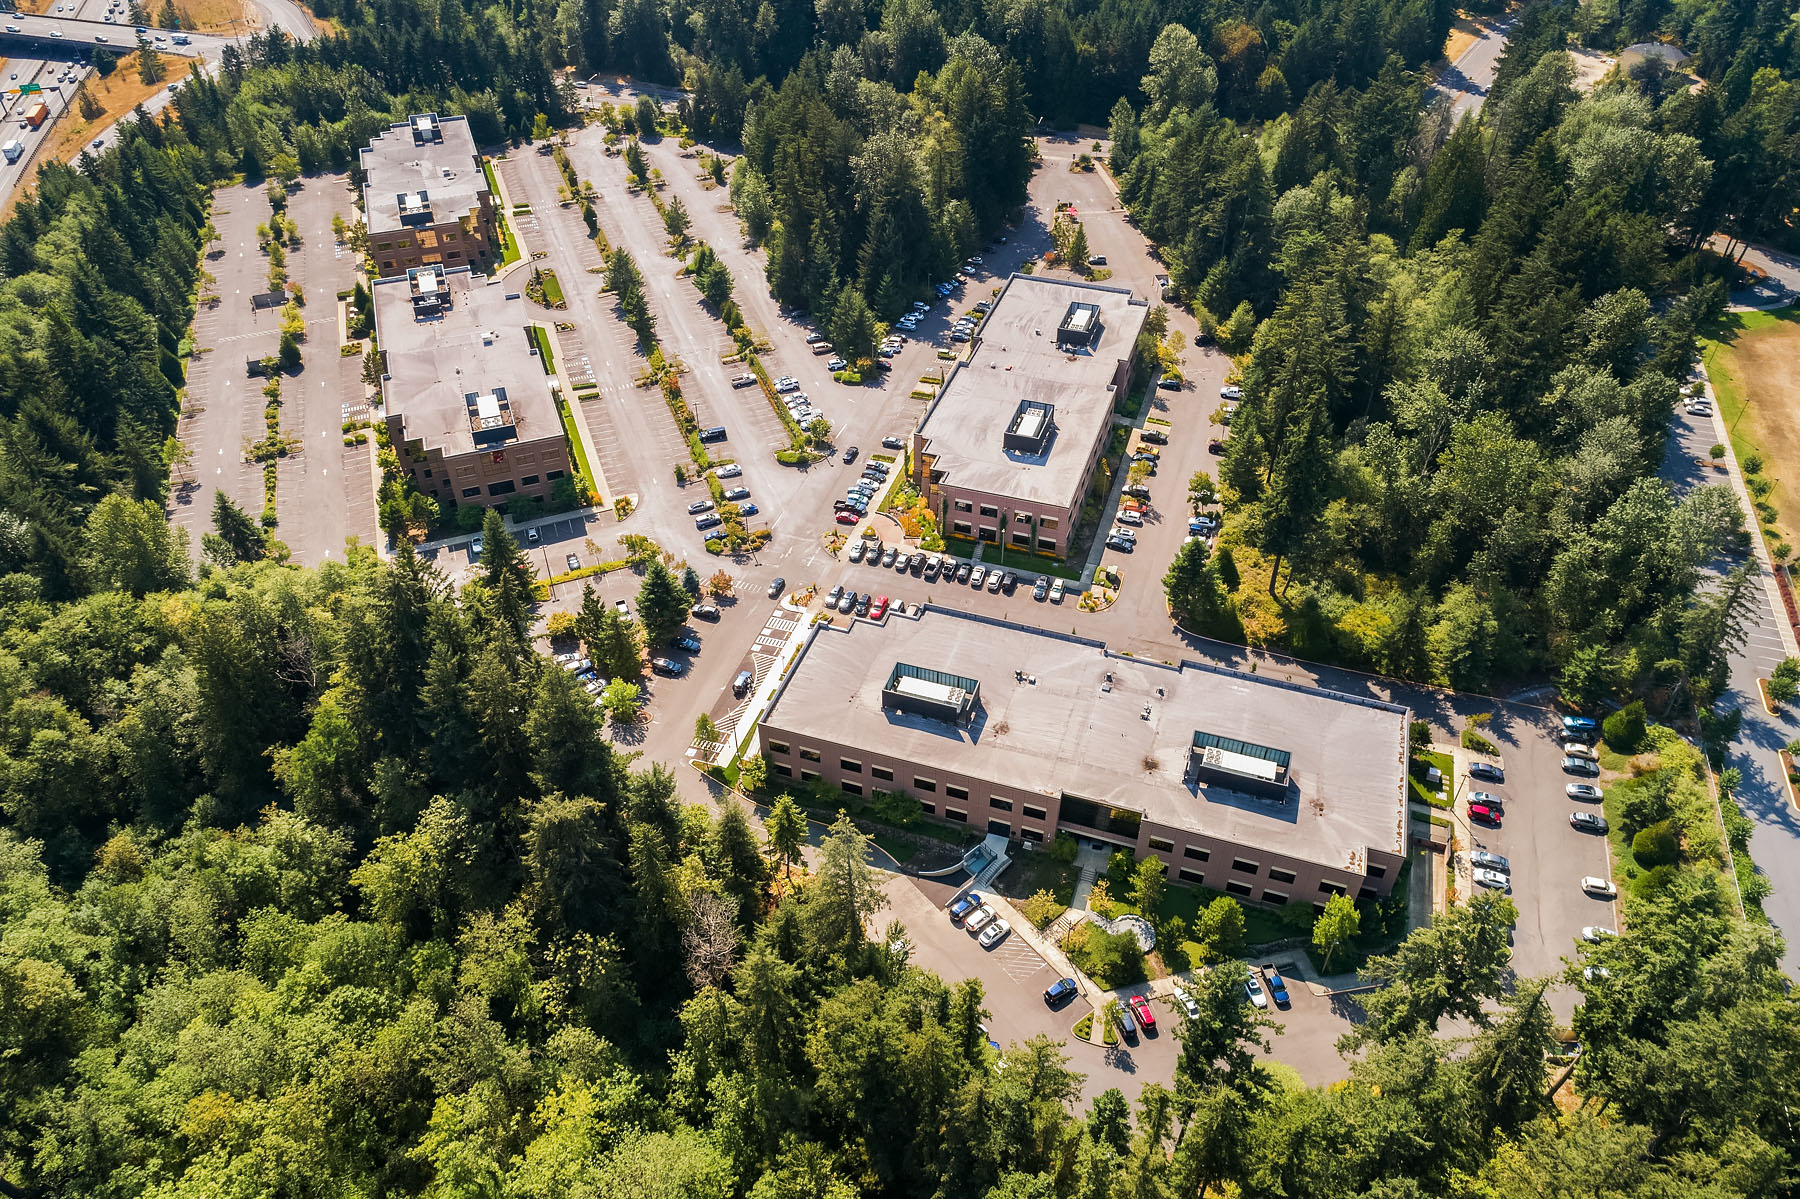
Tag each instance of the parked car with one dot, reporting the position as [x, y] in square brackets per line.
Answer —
[475, 548]
[1487, 772]
[981, 919]
[738, 493]
[1008, 581]
[887, 559]
[1492, 878]
[847, 517]
[1488, 861]
[902, 562]
[1232, 392]
[742, 682]
[1040, 589]
[730, 470]
[856, 551]
[1487, 799]
[966, 904]
[863, 601]
[1056, 592]
[1584, 791]
[1588, 822]
[704, 611]
[977, 576]
[1153, 436]
[1060, 991]
[573, 562]
[787, 383]
[837, 593]
[1123, 545]
[835, 364]
[668, 666]
[993, 582]
[743, 380]
[879, 609]
[1168, 383]
[1593, 934]
[621, 607]
[1585, 766]
[1579, 749]
[994, 933]
[847, 605]
[892, 443]
[1215, 446]
[1482, 814]
[1131, 518]
[711, 520]
[1253, 990]
[748, 510]
[685, 641]
[1140, 1007]
[1595, 885]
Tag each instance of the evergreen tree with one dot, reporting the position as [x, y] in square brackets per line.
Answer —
[662, 605]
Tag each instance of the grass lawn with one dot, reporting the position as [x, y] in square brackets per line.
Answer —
[1420, 791]
[1038, 871]
[1261, 925]
[897, 848]
[117, 94]
[541, 339]
[553, 294]
[509, 248]
[575, 444]
[1754, 362]
[1017, 560]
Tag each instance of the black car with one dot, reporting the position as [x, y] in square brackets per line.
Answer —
[1487, 771]
[1167, 384]
[777, 586]
[668, 666]
[705, 612]
[686, 641]
[1060, 991]
[1008, 581]
[892, 443]
[917, 566]
[962, 572]
[863, 600]
[850, 455]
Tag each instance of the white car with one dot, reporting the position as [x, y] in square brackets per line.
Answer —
[623, 609]
[1595, 885]
[787, 383]
[981, 919]
[730, 470]
[1593, 934]
[1596, 973]
[1056, 592]
[1580, 749]
[1583, 791]
[1186, 999]
[1492, 878]
[994, 933]
[977, 577]
[1254, 990]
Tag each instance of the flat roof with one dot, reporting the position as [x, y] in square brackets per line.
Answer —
[395, 165]
[474, 346]
[1017, 358]
[1071, 730]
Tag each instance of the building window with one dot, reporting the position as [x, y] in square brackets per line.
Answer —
[1368, 893]
[920, 784]
[1164, 846]
[1049, 522]
[850, 788]
[952, 791]
[808, 755]
[1375, 871]
[962, 505]
[1022, 539]
[850, 764]
[1236, 888]
[778, 747]
[784, 770]
[1331, 888]
[470, 493]
[956, 814]
[454, 255]
[1190, 876]
[1274, 897]
[998, 804]
[962, 528]
[812, 776]
[1000, 827]
[1047, 543]
[930, 809]
[1031, 834]
[1244, 867]
[1032, 813]
[528, 481]
[989, 511]
[553, 475]
[428, 472]
[503, 487]
[1278, 875]
[989, 533]
[1196, 853]
[384, 245]
[883, 773]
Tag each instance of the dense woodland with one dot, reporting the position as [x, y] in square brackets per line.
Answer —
[324, 882]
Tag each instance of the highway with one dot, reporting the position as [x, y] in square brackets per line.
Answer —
[24, 33]
[58, 79]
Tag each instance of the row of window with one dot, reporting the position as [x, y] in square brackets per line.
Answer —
[508, 486]
[962, 528]
[993, 513]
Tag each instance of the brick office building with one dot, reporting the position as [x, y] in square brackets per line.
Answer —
[1006, 451]
[467, 402]
[426, 199]
[1268, 791]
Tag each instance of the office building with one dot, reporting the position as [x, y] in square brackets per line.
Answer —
[467, 402]
[1268, 791]
[1007, 450]
[426, 199]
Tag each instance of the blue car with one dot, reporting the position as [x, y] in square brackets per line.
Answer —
[1277, 988]
[747, 509]
[1579, 724]
[971, 902]
[1058, 991]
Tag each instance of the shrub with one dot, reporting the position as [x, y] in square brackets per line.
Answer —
[1717, 452]
[1110, 959]
[1042, 908]
[1784, 680]
[1658, 845]
[1753, 464]
[1064, 848]
[1624, 729]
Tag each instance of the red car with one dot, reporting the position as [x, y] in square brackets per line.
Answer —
[880, 608]
[847, 518]
[1482, 814]
[1140, 1007]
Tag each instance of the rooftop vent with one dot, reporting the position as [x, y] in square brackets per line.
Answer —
[415, 207]
[1031, 428]
[931, 693]
[430, 293]
[490, 416]
[1080, 325]
[426, 131]
[1240, 765]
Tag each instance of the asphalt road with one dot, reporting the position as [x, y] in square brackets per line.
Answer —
[46, 73]
[1466, 81]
